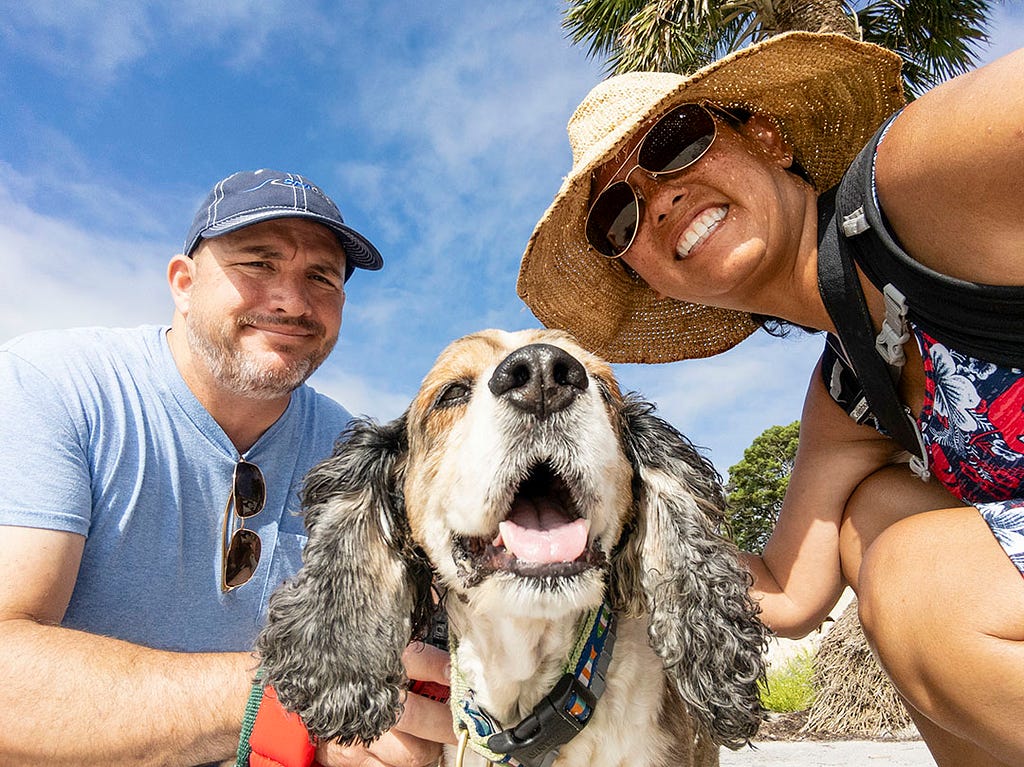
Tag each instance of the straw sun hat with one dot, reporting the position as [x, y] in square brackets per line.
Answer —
[827, 94]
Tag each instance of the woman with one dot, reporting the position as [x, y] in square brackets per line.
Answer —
[691, 215]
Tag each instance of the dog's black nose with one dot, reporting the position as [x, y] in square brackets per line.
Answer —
[540, 379]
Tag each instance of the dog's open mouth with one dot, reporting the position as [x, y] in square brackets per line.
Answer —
[543, 534]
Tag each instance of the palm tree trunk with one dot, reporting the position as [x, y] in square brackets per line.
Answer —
[813, 16]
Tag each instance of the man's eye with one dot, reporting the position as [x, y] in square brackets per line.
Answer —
[453, 394]
[325, 280]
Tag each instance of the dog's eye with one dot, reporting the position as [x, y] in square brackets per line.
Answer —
[456, 393]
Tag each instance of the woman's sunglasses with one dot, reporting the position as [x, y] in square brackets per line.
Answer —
[675, 142]
[241, 553]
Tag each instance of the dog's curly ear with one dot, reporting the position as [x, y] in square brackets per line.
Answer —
[335, 634]
[676, 565]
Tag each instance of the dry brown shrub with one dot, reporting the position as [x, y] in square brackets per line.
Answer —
[853, 696]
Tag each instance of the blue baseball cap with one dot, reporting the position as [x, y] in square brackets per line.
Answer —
[249, 197]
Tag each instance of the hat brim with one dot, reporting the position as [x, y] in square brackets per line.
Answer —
[827, 94]
[359, 251]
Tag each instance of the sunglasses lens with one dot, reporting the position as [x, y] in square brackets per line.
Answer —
[677, 140]
[612, 220]
[674, 142]
[242, 558]
[250, 489]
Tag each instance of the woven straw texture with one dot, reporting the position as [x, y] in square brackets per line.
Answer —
[827, 93]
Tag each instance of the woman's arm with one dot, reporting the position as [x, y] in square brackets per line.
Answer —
[798, 579]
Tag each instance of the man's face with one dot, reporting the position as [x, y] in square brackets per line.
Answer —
[265, 305]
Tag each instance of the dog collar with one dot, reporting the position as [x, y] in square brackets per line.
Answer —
[563, 713]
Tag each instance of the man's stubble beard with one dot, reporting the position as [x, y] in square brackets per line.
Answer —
[240, 372]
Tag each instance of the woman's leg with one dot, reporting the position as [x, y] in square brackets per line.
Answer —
[884, 498]
[943, 608]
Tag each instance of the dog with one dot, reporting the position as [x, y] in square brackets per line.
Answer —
[550, 512]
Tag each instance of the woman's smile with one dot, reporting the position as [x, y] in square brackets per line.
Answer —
[700, 229]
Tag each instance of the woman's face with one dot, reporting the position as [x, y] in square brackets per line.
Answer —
[715, 232]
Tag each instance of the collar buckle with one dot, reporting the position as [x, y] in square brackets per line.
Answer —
[553, 722]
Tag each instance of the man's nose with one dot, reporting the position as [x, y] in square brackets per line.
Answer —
[290, 294]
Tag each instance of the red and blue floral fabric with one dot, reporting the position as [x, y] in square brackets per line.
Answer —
[972, 423]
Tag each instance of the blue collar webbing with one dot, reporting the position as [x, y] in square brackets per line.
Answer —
[564, 712]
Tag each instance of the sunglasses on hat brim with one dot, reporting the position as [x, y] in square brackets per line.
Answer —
[675, 141]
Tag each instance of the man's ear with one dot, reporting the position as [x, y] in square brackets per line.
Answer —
[180, 278]
[763, 131]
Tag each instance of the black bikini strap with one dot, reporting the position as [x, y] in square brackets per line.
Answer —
[985, 321]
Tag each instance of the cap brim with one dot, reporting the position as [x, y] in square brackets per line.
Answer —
[359, 251]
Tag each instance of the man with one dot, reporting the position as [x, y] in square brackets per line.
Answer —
[148, 494]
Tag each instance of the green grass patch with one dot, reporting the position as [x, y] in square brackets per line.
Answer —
[789, 685]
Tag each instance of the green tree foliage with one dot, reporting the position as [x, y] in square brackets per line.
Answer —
[937, 39]
[757, 485]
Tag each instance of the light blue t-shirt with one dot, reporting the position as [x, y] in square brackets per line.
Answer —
[100, 436]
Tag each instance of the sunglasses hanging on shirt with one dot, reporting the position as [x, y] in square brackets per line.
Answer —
[241, 550]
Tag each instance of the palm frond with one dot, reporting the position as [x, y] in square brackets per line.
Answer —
[598, 22]
[937, 39]
[668, 35]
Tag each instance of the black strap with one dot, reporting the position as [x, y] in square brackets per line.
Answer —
[985, 321]
[843, 297]
[535, 741]
[843, 385]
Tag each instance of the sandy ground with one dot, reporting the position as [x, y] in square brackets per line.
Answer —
[833, 753]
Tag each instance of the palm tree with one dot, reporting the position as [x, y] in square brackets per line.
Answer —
[937, 39]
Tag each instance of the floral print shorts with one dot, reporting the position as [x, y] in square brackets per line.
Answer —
[973, 427]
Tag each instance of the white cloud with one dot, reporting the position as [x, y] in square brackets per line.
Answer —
[724, 402]
[468, 123]
[1007, 30]
[58, 274]
[73, 36]
[96, 41]
[360, 396]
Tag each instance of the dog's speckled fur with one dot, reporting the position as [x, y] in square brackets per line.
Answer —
[386, 514]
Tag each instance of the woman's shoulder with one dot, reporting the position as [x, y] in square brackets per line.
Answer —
[949, 171]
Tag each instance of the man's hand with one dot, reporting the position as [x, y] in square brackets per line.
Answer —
[424, 727]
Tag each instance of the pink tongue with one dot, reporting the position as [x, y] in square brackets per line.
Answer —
[537, 531]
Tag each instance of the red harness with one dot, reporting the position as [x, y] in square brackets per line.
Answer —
[279, 739]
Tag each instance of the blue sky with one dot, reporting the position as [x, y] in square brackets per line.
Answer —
[438, 128]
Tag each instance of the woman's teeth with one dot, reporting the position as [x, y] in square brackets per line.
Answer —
[698, 231]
